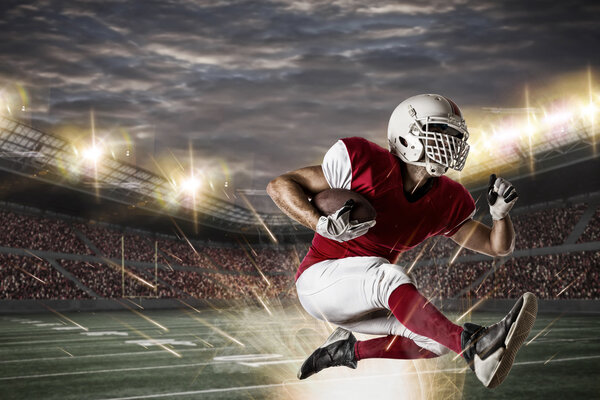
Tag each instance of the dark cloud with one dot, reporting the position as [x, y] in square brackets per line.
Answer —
[268, 86]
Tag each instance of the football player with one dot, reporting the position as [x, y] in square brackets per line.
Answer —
[349, 277]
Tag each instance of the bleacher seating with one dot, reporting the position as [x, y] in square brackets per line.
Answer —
[31, 278]
[201, 271]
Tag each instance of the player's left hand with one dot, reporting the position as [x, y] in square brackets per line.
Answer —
[501, 197]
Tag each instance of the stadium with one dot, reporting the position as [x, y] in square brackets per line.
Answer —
[123, 279]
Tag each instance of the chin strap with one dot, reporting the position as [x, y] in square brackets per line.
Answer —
[434, 169]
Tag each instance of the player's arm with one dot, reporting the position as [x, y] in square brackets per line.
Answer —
[499, 240]
[291, 192]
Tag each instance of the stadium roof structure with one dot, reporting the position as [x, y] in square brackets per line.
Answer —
[30, 152]
[46, 157]
[517, 157]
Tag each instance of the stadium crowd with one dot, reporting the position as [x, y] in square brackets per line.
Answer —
[555, 276]
[113, 243]
[193, 284]
[447, 281]
[38, 233]
[185, 253]
[592, 230]
[547, 227]
[107, 280]
[32, 278]
[211, 285]
[202, 271]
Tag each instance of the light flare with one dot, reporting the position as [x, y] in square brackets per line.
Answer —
[128, 273]
[31, 275]
[64, 351]
[92, 154]
[263, 304]
[543, 330]
[145, 336]
[569, 285]
[548, 360]
[389, 346]
[139, 314]
[259, 218]
[255, 265]
[64, 317]
[474, 306]
[208, 324]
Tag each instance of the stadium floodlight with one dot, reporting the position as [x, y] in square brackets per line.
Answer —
[190, 185]
[558, 118]
[589, 111]
[92, 153]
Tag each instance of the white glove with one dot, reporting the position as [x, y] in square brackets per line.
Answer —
[501, 197]
[338, 226]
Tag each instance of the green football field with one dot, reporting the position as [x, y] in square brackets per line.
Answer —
[253, 353]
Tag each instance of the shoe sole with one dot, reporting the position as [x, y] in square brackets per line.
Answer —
[516, 337]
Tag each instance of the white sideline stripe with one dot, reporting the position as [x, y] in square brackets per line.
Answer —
[272, 385]
[261, 363]
[134, 353]
[223, 362]
[102, 371]
[202, 330]
[198, 331]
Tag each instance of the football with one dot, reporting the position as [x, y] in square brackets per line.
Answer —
[331, 200]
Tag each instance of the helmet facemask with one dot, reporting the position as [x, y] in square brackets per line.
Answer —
[444, 144]
[435, 137]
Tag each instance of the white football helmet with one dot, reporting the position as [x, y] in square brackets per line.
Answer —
[429, 130]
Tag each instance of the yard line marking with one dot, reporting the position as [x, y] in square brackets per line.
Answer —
[241, 331]
[105, 333]
[566, 340]
[259, 364]
[556, 360]
[272, 385]
[134, 353]
[103, 371]
[5, 345]
[160, 342]
[224, 362]
[247, 357]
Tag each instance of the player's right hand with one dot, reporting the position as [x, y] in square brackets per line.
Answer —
[501, 197]
[338, 226]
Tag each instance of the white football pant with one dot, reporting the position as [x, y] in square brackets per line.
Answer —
[353, 293]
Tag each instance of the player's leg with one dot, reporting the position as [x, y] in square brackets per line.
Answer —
[421, 317]
[344, 290]
[490, 351]
[347, 292]
[410, 343]
[392, 346]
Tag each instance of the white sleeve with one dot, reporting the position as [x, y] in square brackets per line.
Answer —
[336, 166]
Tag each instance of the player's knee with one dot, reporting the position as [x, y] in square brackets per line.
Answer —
[390, 276]
[432, 346]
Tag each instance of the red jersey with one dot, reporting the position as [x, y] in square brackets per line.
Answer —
[375, 173]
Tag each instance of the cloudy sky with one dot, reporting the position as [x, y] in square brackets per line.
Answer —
[266, 87]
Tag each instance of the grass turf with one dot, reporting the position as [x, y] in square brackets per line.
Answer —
[251, 353]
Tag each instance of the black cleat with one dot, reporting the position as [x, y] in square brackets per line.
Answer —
[490, 352]
[337, 350]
